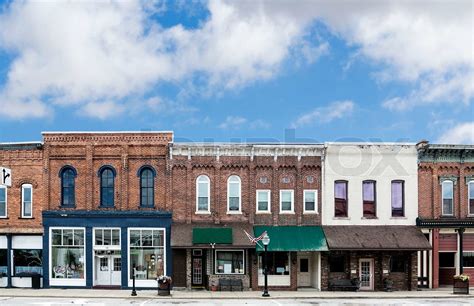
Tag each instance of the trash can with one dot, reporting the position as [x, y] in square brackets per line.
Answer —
[36, 281]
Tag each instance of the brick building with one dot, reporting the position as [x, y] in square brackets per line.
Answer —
[220, 191]
[446, 210]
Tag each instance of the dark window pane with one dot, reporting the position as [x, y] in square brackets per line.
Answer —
[146, 187]
[340, 199]
[337, 263]
[397, 199]
[468, 259]
[398, 263]
[446, 259]
[304, 266]
[27, 261]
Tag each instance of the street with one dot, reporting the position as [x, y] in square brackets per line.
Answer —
[47, 301]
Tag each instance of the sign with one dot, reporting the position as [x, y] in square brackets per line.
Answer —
[5, 177]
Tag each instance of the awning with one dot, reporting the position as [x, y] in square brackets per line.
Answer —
[292, 238]
[202, 235]
[362, 238]
[212, 235]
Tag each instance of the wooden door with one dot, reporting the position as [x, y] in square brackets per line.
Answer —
[179, 268]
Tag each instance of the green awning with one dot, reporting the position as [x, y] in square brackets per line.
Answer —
[206, 235]
[292, 238]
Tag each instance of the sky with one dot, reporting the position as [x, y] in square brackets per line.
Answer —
[240, 71]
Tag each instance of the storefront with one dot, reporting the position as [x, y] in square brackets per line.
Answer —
[293, 257]
[101, 248]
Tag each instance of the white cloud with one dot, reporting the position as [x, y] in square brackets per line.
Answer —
[237, 123]
[463, 133]
[325, 114]
[101, 110]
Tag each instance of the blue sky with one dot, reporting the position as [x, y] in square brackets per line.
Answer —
[239, 71]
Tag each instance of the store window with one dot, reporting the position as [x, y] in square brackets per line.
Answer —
[468, 259]
[3, 263]
[337, 263]
[147, 253]
[67, 253]
[447, 259]
[27, 262]
[106, 236]
[398, 263]
[229, 262]
[278, 263]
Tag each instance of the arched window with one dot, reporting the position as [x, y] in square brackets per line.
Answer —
[202, 193]
[107, 177]
[68, 177]
[233, 194]
[147, 187]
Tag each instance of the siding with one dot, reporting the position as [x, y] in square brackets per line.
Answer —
[448, 242]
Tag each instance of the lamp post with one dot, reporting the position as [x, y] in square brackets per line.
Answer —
[134, 292]
[266, 242]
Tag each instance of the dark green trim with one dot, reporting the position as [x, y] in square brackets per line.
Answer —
[207, 235]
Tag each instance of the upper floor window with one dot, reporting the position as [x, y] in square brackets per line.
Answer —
[398, 198]
[340, 199]
[233, 194]
[447, 187]
[310, 199]
[26, 201]
[286, 201]
[3, 202]
[470, 195]
[203, 190]
[369, 198]
[147, 187]
[107, 178]
[68, 196]
[263, 201]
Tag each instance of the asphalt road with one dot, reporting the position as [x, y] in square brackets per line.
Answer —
[6, 301]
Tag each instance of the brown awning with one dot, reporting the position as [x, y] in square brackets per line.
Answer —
[355, 237]
[182, 235]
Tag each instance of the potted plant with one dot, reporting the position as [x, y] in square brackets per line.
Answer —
[214, 286]
[461, 284]
[388, 285]
[164, 285]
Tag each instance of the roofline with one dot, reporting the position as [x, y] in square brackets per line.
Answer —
[443, 146]
[21, 143]
[370, 143]
[249, 144]
[106, 132]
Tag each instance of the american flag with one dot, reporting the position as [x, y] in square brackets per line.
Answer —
[255, 239]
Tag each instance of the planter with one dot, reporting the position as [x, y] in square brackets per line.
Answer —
[460, 286]
[164, 289]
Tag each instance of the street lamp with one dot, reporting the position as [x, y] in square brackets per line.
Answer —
[266, 242]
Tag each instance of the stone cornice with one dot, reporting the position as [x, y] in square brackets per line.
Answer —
[114, 137]
[446, 153]
[451, 178]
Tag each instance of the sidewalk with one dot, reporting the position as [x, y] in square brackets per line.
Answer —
[187, 294]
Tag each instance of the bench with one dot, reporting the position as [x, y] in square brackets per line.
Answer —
[344, 284]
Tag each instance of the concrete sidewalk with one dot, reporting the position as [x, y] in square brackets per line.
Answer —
[187, 294]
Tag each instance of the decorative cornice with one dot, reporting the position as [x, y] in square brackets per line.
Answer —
[451, 178]
[438, 223]
[446, 153]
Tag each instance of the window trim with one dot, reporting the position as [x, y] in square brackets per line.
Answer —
[442, 197]
[469, 184]
[316, 210]
[347, 199]
[6, 202]
[228, 195]
[375, 198]
[208, 181]
[403, 199]
[106, 247]
[61, 173]
[140, 173]
[258, 211]
[114, 175]
[229, 250]
[292, 211]
[23, 187]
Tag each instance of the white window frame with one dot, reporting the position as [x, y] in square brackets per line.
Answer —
[292, 211]
[145, 282]
[66, 281]
[106, 247]
[470, 184]
[6, 202]
[208, 211]
[268, 191]
[229, 250]
[315, 211]
[442, 197]
[228, 195]
[23, 187]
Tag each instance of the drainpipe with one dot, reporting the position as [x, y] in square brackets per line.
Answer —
[461, 263]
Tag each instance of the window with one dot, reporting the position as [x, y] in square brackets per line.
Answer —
[286, 201]
[147, 187]
[27, 262]
[3, 263]
[27, 201]
[67, 253]
[398, 199]
[68, 176]
[229, 262]
[337, 263]
[233, 194]
[447, 191]
[3, 202]
[147, 253]
[263, 200]
[470, 191]
[203, 191]
[106, 236]
[278, 263]
[369, 198]
[468, 259]
[107, 177]
[310, 198]
[446, 259]
[398, 263]
[340, 198]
